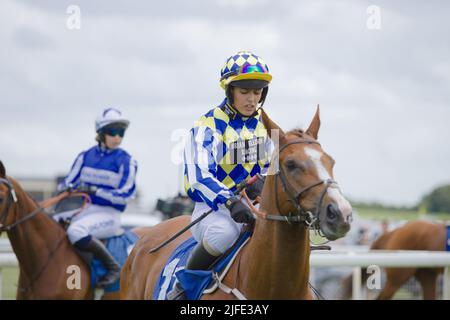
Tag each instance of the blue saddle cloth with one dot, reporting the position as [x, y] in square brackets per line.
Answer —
[447, 240]
[193, 281]
[119, 247]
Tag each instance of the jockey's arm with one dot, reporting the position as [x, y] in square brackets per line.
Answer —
[126, 190]
[200, 157]
[72, 180]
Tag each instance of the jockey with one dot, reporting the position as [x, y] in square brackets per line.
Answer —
[226, 146]
[107, 173]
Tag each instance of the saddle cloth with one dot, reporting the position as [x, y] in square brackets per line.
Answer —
[120, 247]
[195, 282]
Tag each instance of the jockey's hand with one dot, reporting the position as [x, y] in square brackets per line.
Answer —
[255, 188]
[87, 189]
[239, 211]
[62, 189]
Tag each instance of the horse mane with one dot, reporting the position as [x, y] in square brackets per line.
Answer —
[300, 133]
[297, 132]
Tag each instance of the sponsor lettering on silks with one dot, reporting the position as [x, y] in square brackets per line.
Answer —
[247, 151]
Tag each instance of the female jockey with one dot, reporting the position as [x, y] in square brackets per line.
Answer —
[226, 146]
[108, 174]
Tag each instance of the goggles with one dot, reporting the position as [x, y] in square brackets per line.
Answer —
[114, 131]
[245, 69]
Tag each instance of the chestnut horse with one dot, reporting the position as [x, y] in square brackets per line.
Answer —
[45, 255]
[274, 264]
[414, 235]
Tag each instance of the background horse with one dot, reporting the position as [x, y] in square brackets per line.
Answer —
[414, 235]
[45, 255]
[275, 262]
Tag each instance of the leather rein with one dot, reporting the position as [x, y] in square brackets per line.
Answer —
[12, 198]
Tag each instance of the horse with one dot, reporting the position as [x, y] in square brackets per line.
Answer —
[274, 264]
[414, 235]
[47, 260]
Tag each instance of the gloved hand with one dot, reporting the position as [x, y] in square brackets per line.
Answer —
[255, 188]
[239, 211]
[62, 188]
[87, 188]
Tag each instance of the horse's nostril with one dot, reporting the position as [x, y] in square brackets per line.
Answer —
[350, 218]
[331, 213]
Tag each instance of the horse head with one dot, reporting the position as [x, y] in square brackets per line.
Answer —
[7, 197]
[301, 176]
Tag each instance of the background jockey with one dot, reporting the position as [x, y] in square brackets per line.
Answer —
[108, 174]
[226, 146]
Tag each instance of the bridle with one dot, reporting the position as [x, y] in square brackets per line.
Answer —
[12, 198]
[300, 215]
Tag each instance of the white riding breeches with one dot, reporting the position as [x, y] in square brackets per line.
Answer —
[99, 221]
[218, 231]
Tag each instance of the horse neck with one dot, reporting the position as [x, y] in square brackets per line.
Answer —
[275, 263]
[32, 240]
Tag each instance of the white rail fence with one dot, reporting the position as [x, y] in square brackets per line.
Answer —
[355, 257]
[383, 258]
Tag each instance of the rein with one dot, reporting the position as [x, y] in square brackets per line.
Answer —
[42, 205]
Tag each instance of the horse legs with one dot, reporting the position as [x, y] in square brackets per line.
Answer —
[427, 279]
[395, 278]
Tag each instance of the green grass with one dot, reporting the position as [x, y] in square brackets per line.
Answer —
[398, 214]
[10, 277]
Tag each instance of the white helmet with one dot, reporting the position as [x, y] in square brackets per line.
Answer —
[108, 116]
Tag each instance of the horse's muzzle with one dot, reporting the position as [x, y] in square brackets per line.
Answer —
[335, 224]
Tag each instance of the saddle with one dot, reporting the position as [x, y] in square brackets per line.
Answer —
[196, 282]
[73, 203]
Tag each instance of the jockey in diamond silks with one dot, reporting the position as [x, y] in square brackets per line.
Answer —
[227, 145]
[107, 173]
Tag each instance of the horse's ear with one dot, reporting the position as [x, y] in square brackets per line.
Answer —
[2, 170]
[313, 129]
[270, 125]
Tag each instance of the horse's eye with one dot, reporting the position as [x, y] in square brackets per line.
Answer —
[292, 165]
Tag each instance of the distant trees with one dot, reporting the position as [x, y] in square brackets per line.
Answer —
[438, 200]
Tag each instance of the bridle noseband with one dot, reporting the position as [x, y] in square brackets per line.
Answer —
[10, 197]
[301, 215]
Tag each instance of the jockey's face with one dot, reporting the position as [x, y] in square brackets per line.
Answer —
[246, 100]
[112, 142]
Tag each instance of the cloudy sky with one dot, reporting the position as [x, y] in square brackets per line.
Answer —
[381, 75]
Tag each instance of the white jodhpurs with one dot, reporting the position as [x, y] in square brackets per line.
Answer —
[100, 222]
[218, 231]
